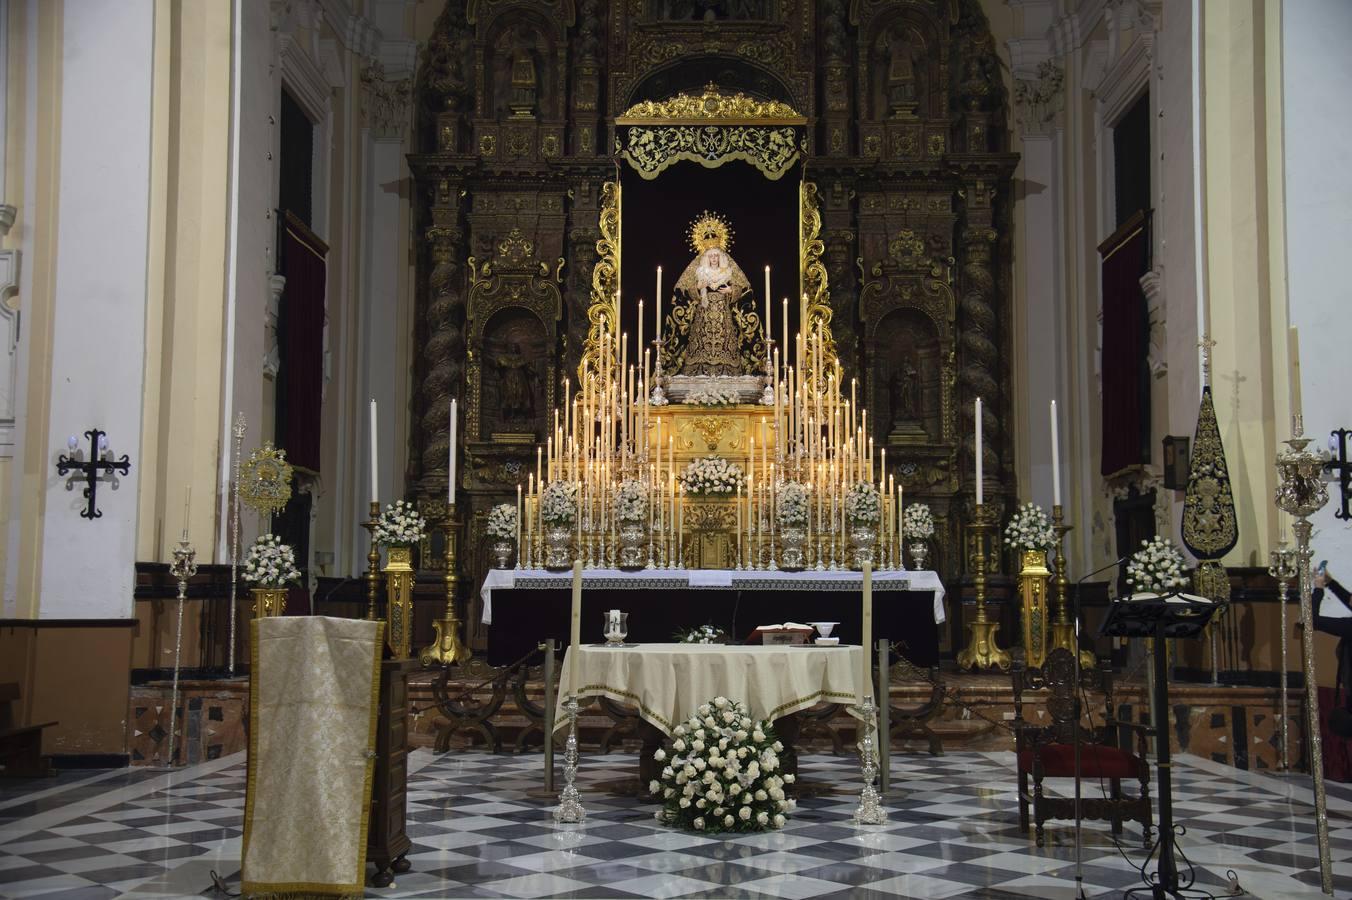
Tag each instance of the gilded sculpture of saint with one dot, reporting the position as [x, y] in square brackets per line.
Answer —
[712, 285]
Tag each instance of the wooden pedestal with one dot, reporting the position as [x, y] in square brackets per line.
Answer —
[387, 839]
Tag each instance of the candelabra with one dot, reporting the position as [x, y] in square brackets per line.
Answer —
[570, 810]
[1283, 568]
[981, 651]
[446, 648]
[372, 562]
[870, 810]
[1063, 628]
[182, 568]
[1301, 493]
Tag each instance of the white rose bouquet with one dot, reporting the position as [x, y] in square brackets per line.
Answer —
[861, 504]
[917, 522]
[631, 501]
[270, 563]
[1157, 567]
[721, 772]
[502, 522]
[714, 395]
[792, 511]
[558, 506]
[1029, 529]
[712, 475]
[700, 634]
[401, 525]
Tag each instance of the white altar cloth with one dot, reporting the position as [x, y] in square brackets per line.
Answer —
[667, 682]
[712, 579]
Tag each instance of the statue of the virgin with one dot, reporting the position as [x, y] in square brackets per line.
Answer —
[712, 285]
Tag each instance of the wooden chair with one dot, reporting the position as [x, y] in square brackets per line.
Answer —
[1048, 751]
[20, 745]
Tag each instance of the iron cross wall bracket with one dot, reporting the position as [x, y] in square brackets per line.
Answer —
[91, 470]
[1341, 467]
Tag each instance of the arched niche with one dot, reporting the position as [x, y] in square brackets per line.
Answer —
[516, 350]
[519, 48]
[908, 396]
[690, 75]
[901, 73]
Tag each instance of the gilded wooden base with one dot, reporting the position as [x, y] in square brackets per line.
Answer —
[446, 648]
[1063, 635]
[399, 607]
[981, 651]
[268, 602]
[1033, 591]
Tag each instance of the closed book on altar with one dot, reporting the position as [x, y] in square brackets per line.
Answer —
[788, 633]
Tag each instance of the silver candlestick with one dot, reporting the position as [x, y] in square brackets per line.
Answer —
[240, 427]
[570, 810]
[1283, 568]
[870, 810]
[182, 568]
[1302, 493]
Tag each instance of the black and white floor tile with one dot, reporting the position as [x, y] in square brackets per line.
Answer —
[480, 830]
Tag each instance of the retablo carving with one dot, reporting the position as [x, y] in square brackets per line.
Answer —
[710, 105]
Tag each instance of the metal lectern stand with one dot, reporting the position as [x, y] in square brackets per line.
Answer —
[1161, 617]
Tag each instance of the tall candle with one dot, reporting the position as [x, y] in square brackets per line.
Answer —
[866, 674]
[1056, 460]
[980, 493]
[575, 626]
[767, 304]
[639, 352]
[375, 468]
[518, 524]
[1293, 363]
[658, 301]
[450, 476]
[187, 507]
[784, 329]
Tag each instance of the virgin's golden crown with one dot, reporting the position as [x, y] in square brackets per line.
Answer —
[710, 230]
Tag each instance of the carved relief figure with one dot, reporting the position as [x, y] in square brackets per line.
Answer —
[712, 285]
[518, 72]
[514, 348]
[513, 368]
[905, 392]
[902, 62]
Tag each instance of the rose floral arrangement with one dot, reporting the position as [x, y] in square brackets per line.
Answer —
[792, 510]
[712, 475]
[700, 634]
[1157, 567]
[502, 522]
[400, 525]
[558, 505]
[917, 523]
[270, 563]
[722, 772]
[631, 501]
[714, 395]
[1029, 529]
[861, 504]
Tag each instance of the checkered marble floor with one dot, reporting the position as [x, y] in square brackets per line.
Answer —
[480, 830]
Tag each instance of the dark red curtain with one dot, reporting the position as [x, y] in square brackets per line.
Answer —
[301, 344]
[1337, 750]
[1126, 336]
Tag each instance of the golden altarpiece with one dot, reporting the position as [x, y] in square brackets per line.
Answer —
[888, 120]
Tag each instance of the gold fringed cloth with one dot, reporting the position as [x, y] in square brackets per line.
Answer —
[313, 699]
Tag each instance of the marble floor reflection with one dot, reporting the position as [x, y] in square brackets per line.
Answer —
[480, 830]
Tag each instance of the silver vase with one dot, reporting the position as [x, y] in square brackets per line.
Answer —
[502, 552]
[862, 536]
[919, 551]
[557, 546]
[632, 552]
[791, 539]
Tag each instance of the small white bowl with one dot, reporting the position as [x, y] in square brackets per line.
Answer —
[824, 628]
[827, 642]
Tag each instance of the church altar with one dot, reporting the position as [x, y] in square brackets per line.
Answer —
[666, 682]
[523, 606]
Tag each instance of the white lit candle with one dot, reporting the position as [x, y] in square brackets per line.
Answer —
[1056, 459]
[575, 626]
[450, 478]
[187, 507]
[767, 303]
[375, 468]
[1293, 345]
[866, 673]
[980, 494]
[658, 301]
[518, 524]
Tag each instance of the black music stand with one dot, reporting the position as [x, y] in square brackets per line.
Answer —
[1160, 617]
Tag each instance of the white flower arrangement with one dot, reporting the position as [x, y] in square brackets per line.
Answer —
[558, 506]
[700, 634]
[1157, 567]
[502, 522]
[714, 395]
[861, 504]
[712, 475]
[722, 772]
[792, 507]
[631, 501]
[1029, 529]
[270, 563]
[917, 522]
[400, 525]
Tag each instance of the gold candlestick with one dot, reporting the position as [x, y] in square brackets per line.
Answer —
[1063, 629]
[981, 651]
[446, 648]
[372, 562]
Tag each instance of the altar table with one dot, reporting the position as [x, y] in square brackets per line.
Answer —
[667, 682]
[525, 606]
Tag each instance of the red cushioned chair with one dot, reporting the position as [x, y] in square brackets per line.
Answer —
[1048, 751]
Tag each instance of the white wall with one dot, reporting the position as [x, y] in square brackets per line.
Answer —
[1317, 70]
[100, 296]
